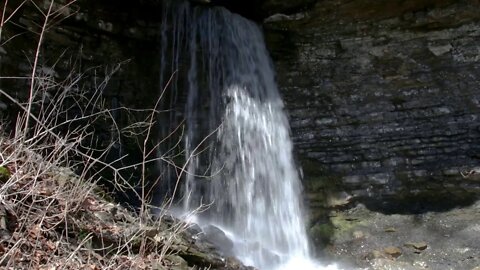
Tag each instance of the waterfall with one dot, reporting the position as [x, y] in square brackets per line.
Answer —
[237, 141]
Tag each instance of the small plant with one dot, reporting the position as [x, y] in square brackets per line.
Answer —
[83, 234]
[4, 174]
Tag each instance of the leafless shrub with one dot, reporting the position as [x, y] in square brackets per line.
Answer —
[51, 213]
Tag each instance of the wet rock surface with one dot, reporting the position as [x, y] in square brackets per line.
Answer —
[218, 238]
[364, 239]
[383, 100]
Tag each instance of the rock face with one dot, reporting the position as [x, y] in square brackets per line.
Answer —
[383, 99]
[82, 36]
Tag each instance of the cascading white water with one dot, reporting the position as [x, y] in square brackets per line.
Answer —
[238, 145]
[256, 194]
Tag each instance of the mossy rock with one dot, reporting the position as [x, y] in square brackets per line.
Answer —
[346, 226]
[4, 174]
[176, 262]
[312, 167]
[322, 232]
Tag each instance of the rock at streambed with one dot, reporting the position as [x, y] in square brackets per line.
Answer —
[111, 227]
[208, 248]
[433, 240]
[417, 245]
[394, 252]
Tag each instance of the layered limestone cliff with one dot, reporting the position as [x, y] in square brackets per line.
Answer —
[384, 100]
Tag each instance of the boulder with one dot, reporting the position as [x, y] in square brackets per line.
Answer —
[218, 238]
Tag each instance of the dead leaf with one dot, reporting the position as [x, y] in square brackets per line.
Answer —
[90, 204]
[34, 231]
[50, 245]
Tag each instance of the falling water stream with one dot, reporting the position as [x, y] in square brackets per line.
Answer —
[237, 139]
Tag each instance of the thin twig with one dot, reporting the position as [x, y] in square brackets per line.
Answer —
[34, 70]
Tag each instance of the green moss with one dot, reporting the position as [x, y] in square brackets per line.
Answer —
[316, 183]
[316, 177]
[322, 232]
[83, 234]
[312, 167]
[4, 174]
[344, 227]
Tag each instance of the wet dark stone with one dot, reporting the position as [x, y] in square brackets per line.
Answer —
[383, 99]
[218, 238]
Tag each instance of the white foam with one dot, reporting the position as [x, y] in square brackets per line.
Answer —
[303, 263]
